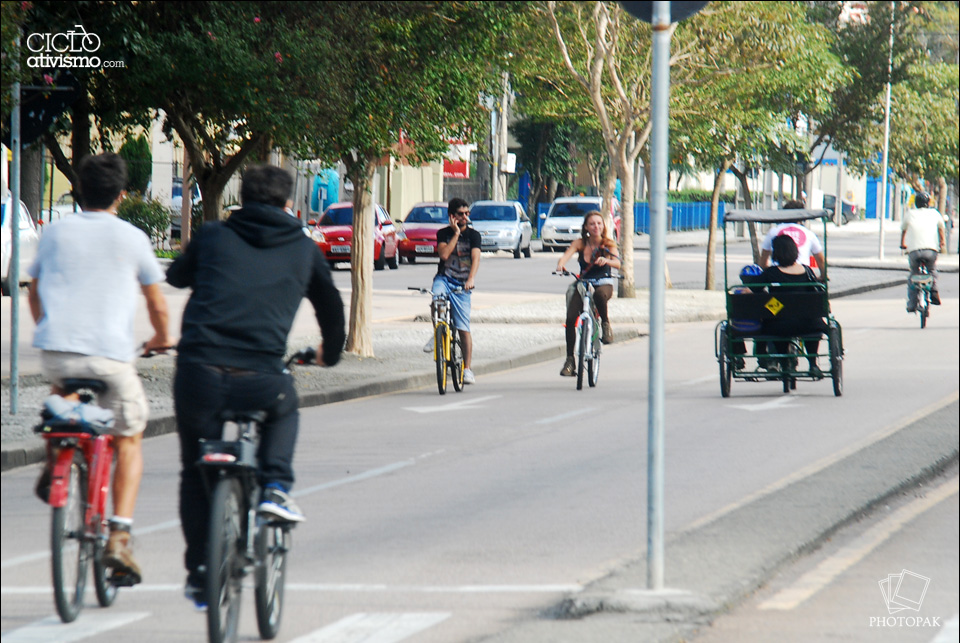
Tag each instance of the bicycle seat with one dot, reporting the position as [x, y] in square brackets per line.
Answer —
[243, 416]
[74, 384]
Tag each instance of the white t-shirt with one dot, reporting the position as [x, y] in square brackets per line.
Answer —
[922, 226]
[807, 242]
[91, 267]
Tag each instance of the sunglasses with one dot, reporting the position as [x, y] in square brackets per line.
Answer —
[462, 214]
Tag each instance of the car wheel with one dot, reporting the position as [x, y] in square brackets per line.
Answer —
[380, 262]
[527, 252]
[516, 251]
[394, 262]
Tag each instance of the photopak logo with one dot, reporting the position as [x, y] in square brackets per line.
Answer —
[76, 48]
[904, 592]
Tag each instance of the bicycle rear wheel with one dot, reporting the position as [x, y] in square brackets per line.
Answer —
[456, 362]
[224, 561]
[439, 348]
[923, 308]
[70, 553]
[273, 543]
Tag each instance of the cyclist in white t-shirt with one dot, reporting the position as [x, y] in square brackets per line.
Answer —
[808, 244]
[922, 235]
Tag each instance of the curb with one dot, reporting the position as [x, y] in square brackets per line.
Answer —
[724, 561]
[21, 454]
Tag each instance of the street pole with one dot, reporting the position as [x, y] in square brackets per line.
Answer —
[13, 272]
[502, 142]
[659, 160]
[886, 132]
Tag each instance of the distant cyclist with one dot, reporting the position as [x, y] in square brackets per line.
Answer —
[597, 254]
[923, 236]
[87, 278]
[249, 275]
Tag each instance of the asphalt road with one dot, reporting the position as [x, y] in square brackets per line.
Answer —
[452, 519]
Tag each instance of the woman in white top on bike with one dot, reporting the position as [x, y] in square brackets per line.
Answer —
[597, 254]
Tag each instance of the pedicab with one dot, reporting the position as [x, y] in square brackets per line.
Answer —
[775, 357]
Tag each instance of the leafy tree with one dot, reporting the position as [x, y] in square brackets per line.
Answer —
[136, 152]
[407, 81]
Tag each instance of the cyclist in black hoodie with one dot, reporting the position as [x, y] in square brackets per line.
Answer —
[248, 275]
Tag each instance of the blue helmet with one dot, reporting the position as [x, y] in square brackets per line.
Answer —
[753, 270]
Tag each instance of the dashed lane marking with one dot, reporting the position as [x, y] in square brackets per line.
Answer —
[89, 624]
[375, 628]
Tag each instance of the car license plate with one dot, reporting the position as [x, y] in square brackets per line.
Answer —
[425, 249]
[340, 250]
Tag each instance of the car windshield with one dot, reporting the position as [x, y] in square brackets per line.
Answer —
[337, 216]
[427, 214]
[572, 209]
[493, 213]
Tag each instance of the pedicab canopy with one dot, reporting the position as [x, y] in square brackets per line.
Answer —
[775, 216]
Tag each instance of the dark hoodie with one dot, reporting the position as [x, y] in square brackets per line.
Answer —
[249, 275]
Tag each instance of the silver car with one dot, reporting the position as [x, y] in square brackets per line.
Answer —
[564, 220]
[29, 238]
[503, 225]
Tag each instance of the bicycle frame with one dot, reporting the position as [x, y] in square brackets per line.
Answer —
[97, 452]
[589, 320]
[440, 313]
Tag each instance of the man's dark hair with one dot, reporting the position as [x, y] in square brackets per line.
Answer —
[785, 251]
[102, 178]
[795, 204]
[266, 184]
[455, 204]
[922, 200]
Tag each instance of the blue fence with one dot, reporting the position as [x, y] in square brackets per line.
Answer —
[686, 216]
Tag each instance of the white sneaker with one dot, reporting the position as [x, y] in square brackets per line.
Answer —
[428, 347]
[468, 377]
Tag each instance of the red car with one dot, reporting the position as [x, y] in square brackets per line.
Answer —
[419, 235]
[333, 234]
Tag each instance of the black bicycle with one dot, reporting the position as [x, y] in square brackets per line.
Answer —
[240, 539]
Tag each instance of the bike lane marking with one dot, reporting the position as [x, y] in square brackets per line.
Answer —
[88, 624]
[824, 573]
[381, 627]
[468, 403]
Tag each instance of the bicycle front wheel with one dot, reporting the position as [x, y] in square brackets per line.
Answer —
[273, 543]
[106, 590]
[441, 350]
[70, 552]
[224, 561]
[583, 347]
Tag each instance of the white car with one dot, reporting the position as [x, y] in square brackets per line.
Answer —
[565, 219]
[503, 225]
[29, 238]
[64, 206]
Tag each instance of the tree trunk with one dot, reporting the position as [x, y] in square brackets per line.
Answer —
[30, 183]
[359, 336]
[628, 285]
[748, 205]
[942, 195]
[710, 280]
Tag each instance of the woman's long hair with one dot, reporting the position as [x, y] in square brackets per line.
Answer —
[605, 240]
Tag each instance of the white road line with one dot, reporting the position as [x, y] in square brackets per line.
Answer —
[348, 588]
[89, 624]
[375, 628]
[821, 464]
[565, 416]
[783, 402]
[465, 403]
[824, 573]
[950, 632]
[174, 524]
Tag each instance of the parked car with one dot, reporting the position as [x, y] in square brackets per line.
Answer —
[503, 225]
[333, 234]
[848, 210]
[176, 203]
[29, 238]
[564, 220]
[418, 233]
[64, 206]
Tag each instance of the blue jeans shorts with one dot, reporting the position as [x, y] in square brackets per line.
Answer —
[459, 302]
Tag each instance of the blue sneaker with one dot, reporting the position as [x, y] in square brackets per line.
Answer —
[278, 504]
[196, 594]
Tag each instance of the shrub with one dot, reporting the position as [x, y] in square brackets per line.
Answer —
[698, 196]
[136, 152]
[147, 214]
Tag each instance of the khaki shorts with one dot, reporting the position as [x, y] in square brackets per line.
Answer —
[124, 394]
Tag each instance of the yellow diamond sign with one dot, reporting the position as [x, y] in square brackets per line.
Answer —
[774, 306]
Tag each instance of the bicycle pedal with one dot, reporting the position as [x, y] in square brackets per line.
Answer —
[123, 580]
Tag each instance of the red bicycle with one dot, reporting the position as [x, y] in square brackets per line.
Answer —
[80, 458]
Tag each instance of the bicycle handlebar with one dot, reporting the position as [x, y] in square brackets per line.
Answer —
[424, 291]
[303, 356]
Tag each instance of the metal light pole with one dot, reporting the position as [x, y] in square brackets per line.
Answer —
[13, 272]
[886, 132]
[659, 160]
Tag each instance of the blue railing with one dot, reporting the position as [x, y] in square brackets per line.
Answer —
[686, 216]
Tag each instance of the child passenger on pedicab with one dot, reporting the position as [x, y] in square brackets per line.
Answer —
[791, 275]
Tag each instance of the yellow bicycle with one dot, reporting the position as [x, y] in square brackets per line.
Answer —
[447, 348]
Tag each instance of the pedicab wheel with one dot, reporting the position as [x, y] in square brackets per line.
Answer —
[70, 553]
[224, 562]
[726, 370]
[273, 543]
[456, 363]
[836, 360]
[440, 340]
[582, 357]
